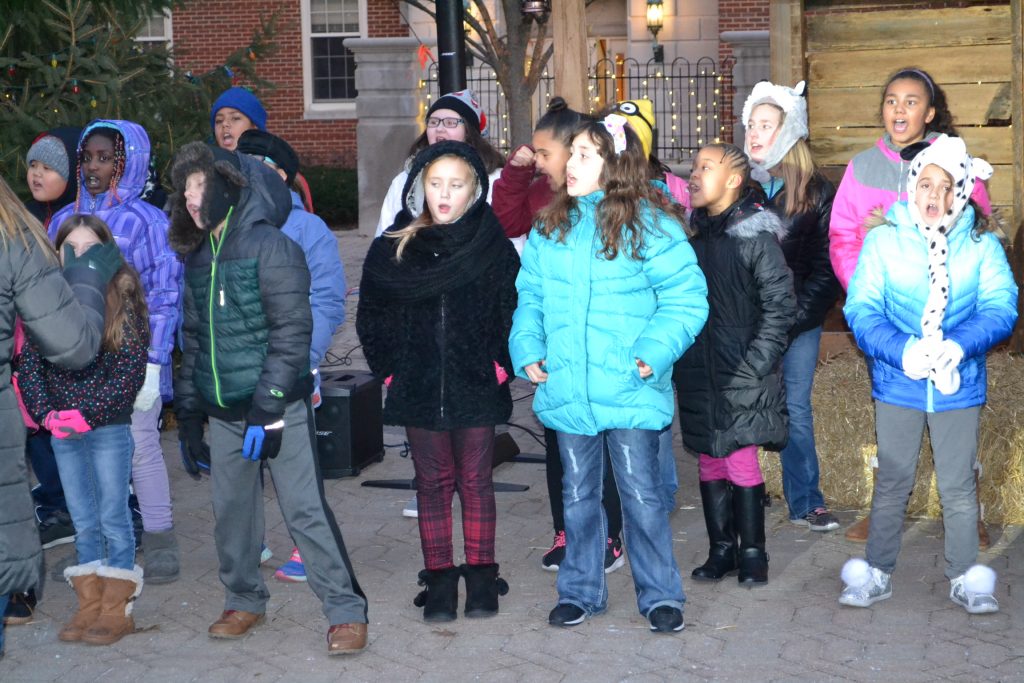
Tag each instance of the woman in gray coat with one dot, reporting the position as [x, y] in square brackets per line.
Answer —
[63, 314]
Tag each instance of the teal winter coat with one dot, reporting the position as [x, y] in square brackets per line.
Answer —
[589, 318]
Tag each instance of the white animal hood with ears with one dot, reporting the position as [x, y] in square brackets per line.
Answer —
[794, 124]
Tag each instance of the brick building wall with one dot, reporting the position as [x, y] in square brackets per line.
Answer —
[736, 15]
[206, 31]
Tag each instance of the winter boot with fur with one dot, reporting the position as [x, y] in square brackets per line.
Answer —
[120, 588]
[440, 598]
[160, 549]
[748, 518]
[89, 589]
[716, 497]
[483, 586]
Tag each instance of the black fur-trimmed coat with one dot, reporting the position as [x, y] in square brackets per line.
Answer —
[729, 383]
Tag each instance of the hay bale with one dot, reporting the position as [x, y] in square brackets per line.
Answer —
[844, 428]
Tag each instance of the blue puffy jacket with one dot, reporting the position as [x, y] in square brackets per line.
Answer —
[590, 318]
[326, 275]
[887, 296]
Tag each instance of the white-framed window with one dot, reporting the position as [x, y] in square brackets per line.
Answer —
[156, 28]
[328, 66]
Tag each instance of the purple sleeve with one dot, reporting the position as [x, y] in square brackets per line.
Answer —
[161, 274]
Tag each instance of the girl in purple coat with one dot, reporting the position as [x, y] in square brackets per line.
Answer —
[113, 165]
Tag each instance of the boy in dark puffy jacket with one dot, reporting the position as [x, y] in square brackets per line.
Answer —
[247, 326]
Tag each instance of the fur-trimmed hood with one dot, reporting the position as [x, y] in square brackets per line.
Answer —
[261, 193]
[412, 193]
[745, 219]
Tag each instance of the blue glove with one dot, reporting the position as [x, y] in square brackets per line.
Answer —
[262, 441]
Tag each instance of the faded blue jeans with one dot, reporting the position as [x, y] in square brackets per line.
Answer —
[800, 471]
[95, 470]
[633, 454]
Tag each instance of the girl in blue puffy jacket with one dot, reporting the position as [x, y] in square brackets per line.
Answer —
[610, 295]
[932, 293]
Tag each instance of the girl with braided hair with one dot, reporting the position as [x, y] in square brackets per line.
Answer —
[113, 167]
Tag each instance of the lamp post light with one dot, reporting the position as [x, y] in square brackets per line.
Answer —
[655, 20]
[535, 9]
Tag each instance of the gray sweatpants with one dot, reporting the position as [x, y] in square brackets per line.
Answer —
[238, 509]
[954, 436]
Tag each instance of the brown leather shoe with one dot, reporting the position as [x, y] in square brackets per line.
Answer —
[346, 639]
[234, 623]
[858, 533]
[983, 540]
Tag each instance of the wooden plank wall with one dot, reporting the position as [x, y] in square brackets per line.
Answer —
[968, 50]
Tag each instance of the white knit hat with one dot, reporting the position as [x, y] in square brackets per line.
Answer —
[794, 124]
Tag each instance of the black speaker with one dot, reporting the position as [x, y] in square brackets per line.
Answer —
[349, 428]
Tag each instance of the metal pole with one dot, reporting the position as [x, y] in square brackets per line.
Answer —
[451, 46]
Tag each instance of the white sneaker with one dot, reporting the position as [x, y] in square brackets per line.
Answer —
[975, 602]
[411, 509]
[878, 587]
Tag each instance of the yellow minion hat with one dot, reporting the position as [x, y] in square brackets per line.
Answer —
[640, 115]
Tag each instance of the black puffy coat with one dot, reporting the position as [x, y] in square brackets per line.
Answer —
[805, 246]
[247, 322]
[437, 328]
[729, 382]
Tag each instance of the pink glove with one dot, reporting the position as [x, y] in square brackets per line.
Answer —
[66, 424]
[500, 373]
[387, 380]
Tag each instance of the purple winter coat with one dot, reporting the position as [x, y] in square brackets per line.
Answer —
[140, 230]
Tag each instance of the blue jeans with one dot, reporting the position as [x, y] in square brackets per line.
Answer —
[667, 465]
[95, 471]
[800, 456]
[633, 454]
[3, 608]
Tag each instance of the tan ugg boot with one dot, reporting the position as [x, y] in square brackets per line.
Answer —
[89, 589]
[120, 588]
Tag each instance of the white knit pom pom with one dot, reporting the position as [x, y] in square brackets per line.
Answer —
[856, 572]
[980, 579]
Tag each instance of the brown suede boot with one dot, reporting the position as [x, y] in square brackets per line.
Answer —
[120, 588]
[858, 531]
[89, 589]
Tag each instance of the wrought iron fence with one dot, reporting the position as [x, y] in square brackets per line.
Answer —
[687, 99]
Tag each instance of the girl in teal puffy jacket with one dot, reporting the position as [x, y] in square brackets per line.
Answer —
[610, 295]
[932, 293]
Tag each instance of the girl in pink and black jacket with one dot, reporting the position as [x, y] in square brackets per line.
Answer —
[913, 108]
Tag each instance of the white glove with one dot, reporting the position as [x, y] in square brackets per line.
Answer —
[149, 394]
[945, 373]
[919, 357]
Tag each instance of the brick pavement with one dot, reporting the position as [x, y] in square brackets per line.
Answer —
[790, 630]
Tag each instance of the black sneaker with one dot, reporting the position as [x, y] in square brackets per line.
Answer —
[613, 555]
[56, 530]
[555, 555]
[565, 614]
[20, 609]
[820, 519]
[666, 619]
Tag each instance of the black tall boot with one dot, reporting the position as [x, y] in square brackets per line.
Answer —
[483, 586]
[440, 599]
[748, 517]
[716, 497]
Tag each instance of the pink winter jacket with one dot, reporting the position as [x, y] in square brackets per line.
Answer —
[874, 179]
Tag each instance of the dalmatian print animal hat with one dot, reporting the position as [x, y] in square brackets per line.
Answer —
[949, 154]
[794, 125]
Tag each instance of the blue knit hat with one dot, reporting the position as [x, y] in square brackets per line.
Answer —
[244, 101]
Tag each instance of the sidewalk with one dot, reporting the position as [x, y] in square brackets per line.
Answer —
[790, 630]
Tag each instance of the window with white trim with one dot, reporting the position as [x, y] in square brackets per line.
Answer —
[155, 29]
[333, 66]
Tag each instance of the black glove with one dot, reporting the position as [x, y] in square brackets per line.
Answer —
[105, 259]
[195, 453]
[262, 437]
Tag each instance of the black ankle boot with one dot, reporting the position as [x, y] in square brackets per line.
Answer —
[716, 498]
[483, 586]
[440, 599]
[748, 516]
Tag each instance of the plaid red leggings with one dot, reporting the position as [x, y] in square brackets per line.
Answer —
[445, 461]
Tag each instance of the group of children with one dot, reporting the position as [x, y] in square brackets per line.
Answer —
[634, 286]
[618, 290]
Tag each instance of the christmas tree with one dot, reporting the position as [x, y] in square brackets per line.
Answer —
[67, 62]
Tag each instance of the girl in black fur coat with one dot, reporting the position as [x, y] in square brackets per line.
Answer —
[435, 310]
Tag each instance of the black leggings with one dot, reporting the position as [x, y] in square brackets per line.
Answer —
[610, 498]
